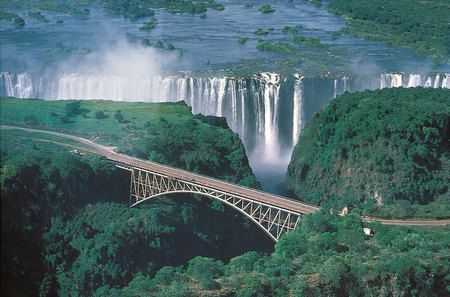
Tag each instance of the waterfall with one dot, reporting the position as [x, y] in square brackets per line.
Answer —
[271, 89]
[242, 92]
[297, 117]
[414, 80]
[233, 103]
[268, 110]
[340, 85]
[446, 81]
[391, 80]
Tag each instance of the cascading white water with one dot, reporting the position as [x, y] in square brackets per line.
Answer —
[253, 106]
[446, 81]
[271, 82]
[242, 92]
[233, 103]
[391, 80]
[415, 80]
[297, 116]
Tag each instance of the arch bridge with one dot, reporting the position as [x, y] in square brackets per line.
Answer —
[275, 215]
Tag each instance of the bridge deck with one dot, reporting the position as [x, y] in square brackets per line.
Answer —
[271, 199]
[260, 196]
[267, 198]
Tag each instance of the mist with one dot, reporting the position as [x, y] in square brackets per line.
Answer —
[122, 59]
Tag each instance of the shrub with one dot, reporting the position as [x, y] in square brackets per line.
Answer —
[242, 40]
[118, 116]
[266, 9]
[31, 120]
[100, 115]
[148, 26]
[260, 32]
[73, 108]
[19, 22]
[64, 119]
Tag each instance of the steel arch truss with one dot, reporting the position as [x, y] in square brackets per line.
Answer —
[274, 220]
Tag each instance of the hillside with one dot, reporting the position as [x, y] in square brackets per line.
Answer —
[325, 256]
[66, 226]
[385, 152]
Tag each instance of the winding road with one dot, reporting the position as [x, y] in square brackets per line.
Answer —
[261, 196]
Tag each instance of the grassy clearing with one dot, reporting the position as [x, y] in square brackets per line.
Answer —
[9, 135]
[167, 133]
[48, 115]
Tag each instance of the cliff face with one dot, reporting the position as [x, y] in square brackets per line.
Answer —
[375, 148]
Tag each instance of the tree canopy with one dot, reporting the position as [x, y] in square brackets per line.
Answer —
[377, 148]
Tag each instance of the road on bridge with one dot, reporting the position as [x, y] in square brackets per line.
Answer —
[203, 180]
[110, 154]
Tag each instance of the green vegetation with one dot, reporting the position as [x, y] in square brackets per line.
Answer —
[142, 8]
[261, 32]
[45, 139]
[68, 7]
[384, 152]
[158, 44]
[266, 9]
[242, 40]
[170, 47]
[60, 51]
[325, 256]
[335, 35]
[66, 230]
[292, 30]
[309, 41]
[146, 42]
[166, 133]
[19, 22]
[248, 5]
[279, 47]
[416, 25]
[66, 226]
[134, 9]
[148, 26]
[38, 16]
[100, 115]
[8, 16]
[317, 3]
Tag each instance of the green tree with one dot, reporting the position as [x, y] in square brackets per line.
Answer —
[118, 116]
[73, 108]
[19, 22]
[100, 115]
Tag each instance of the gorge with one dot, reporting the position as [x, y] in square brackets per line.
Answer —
[267, 110]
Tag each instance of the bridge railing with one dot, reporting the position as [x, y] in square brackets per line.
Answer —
[259, 195]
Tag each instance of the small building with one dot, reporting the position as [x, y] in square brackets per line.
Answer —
[367, 231]
[343, 212]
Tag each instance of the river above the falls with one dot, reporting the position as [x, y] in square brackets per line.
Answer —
[206, 43]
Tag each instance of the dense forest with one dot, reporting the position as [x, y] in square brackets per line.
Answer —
[325, 256]
[412, 24]
[71, 236]
[67, 229]
[66, 226]
[385, 152]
